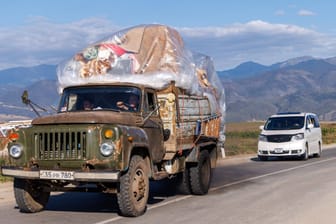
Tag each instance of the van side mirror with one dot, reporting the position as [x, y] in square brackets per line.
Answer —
[261, 127]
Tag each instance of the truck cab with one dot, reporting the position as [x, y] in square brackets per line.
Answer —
[124, 105]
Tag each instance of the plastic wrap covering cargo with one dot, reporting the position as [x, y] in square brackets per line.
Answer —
[147, 54]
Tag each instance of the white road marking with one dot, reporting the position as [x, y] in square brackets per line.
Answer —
[223, 186]
[270, 174]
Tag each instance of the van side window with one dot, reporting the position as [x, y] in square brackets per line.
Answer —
[313, 120]
[316, 122]
[309, 121]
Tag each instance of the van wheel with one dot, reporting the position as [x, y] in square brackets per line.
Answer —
[134, 188]
[305, 156]
[29, 195]
[200, 175]
[319, 153]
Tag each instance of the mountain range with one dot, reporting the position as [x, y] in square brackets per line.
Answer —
[39, 81]
[253, 91]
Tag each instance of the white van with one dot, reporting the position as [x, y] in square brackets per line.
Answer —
[293, 134]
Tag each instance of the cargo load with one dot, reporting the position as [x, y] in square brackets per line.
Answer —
[148, 54]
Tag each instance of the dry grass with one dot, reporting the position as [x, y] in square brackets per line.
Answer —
[3, 161]
[328, 132]
[242, 138]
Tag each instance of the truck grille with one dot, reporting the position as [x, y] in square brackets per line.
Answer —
[60, 145]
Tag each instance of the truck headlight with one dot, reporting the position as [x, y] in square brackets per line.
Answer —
[106, 149]
[15, 151]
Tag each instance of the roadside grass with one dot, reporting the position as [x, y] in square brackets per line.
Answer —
[242, 138]
[328, 132]
[4, 161]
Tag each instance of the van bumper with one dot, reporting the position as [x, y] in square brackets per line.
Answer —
[296, 148]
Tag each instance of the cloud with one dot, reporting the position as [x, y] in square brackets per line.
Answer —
[304, 12]
[258, 41]
[41, 41]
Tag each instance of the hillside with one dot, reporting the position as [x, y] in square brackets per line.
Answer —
[40, 81]
[307, 85]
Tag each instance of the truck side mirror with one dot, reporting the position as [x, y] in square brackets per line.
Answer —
[25, 98]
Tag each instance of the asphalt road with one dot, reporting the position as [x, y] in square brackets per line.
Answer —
[244, 190]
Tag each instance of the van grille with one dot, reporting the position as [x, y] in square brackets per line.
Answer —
[279, 138]
[60, 145]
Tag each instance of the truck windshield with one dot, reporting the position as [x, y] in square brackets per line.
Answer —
[284, 123]
[100, 98]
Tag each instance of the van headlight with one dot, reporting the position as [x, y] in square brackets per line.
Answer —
[107, 148]
[15, 151]
[263, 138]
[297, 137]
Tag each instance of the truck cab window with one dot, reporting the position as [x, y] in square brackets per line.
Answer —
[150, 102]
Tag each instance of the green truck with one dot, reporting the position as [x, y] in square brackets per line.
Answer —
[113, 149]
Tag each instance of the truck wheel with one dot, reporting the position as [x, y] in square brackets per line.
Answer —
[200, 175]
[29, 196]
[134, 188]
[183, 183]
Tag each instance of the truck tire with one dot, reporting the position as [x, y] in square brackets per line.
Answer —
[134, 188]
[183, 183]
[200, 175]
[29, 196]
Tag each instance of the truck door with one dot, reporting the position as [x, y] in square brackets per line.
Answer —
[153, 125]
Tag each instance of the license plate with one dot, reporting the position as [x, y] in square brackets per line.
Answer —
[56, 175]
[278, 150]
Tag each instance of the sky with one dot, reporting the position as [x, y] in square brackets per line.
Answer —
[34, 32]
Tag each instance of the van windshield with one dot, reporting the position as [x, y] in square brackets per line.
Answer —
[284, 123]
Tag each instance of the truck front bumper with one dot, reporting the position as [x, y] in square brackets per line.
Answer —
[93, 176]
